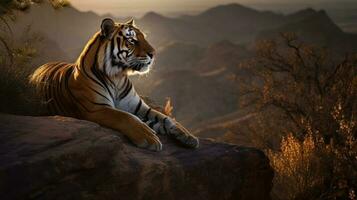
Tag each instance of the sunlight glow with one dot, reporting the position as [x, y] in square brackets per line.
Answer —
[137, 8]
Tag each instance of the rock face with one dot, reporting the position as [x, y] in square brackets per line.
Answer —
[65, 158]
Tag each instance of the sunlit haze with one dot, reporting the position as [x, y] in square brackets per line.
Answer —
[177, 7]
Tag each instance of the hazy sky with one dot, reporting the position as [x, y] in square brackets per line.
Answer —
[138, 7]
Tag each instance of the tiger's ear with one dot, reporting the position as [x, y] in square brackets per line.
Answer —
[131, 22]
[107, 27]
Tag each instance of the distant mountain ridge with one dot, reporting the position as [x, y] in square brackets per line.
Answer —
[238, 24]
[71, 28]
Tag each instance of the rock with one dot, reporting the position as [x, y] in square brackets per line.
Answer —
[65, 158]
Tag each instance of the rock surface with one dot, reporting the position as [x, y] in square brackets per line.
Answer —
[65, 158]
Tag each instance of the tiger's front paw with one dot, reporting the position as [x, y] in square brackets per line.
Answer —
[150, 142]
[184, 136]
[144, 137]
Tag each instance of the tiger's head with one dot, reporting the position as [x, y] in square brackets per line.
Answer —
[125, 48]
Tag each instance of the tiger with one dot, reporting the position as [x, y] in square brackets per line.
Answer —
[97, 87]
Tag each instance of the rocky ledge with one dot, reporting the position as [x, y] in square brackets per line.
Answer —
[65, 158]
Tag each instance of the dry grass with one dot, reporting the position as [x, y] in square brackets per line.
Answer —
[297, 167]
[312, 169]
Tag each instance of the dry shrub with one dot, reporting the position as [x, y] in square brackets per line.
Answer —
[297, 167]
[312, 169]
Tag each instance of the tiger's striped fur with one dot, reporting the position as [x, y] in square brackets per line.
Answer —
[97, 87]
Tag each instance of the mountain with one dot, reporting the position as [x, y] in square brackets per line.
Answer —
[71, 28]
[163, 30]
[232, 22]
[196, 79]
[237, 19]
[223, 55]
[178, 56]
[240, 24]
[300, 15]
[315, 27]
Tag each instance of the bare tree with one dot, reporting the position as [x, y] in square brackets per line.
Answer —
[315, 92]
[304, 82]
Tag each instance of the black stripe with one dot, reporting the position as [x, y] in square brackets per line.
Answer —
[119, 48]
[104, 61]
[125, 83]
[70, 108]
[100, 81]
[93, 79]
[138, 107]
[99, 76]
[118, 43]
[146, 117]
[126, 90]
[101, 104]
[99, 94]
[112, 47]
[151, 124]
[164, 125]
[69, 73]
[61, 107]
[84, 68]
[103, 75]
[122, 86]
[60, 89]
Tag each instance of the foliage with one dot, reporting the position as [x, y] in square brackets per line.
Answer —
[312, 169]
[8, 6]
[297, 166]
[17, 96]
[16, 57]
[168, 108]
[307, 96]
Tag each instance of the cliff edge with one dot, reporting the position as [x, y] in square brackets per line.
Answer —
[65, 158]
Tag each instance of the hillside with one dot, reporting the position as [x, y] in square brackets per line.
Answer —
[194, 85]
[68, 27]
